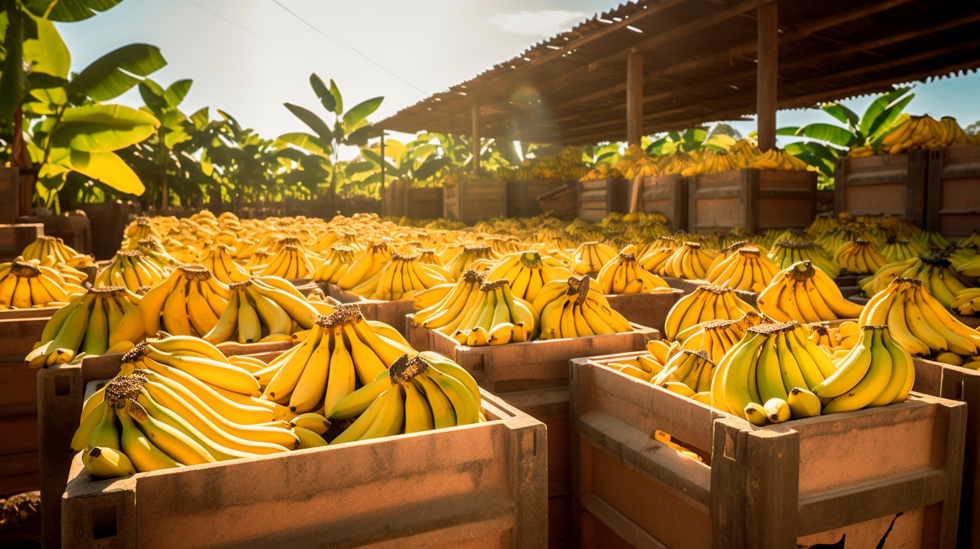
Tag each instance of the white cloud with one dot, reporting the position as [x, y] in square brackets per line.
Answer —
[537, 23]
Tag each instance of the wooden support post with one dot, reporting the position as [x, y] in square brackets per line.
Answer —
[634, 115]
[634, 98]
[476, 138]
[383, 173]
[766, 71]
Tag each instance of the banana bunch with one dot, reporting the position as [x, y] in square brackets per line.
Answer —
[165, 417]
[658, 243]
[778, 159]
[769, 376]
[131, 269]
[401, 278]
[899, 250]
[420, 392]
[714, 161]
[703, 304]
[336, 261]
[932, 239]
[602, 170]
[589, 257]
[429, 257]
[368, 264]
[444, 311]
[218, 260]
[836, 340]
[27, 284]
[466, 258]
[785, 253]
[51, 251]
[290, 262]
[862, 151]
[924, 132]
[935, 272]
[970, 267]
[876, 372]
[643, 167]
[253, 314]
[576, 308]
[803, 293]
[341, 352]
[677, 162]
[858, 257]
[138, 229]
[822, 224]
[690, 261]
[496, 317]
[188, 302]
[717, 337]
[527, 273]
[82, 327]
[623, 275]
[967, 302]
[919, 322]
[331, 238]
[745, 269]
[152, 249]
[688, 373]
[181, 252]
[655, 260]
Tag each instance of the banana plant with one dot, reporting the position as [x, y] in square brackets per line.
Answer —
[350, 128]
[415, 161]
[822, 143]
[173, 128]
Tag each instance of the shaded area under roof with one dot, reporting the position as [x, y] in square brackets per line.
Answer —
[699, 66]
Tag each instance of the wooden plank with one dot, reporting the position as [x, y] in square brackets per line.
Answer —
[766, 73]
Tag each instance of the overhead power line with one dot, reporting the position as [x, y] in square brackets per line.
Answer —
[351, 48]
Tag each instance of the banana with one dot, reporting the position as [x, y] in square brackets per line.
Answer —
[803, 403]
[144, 455]
[107, 463]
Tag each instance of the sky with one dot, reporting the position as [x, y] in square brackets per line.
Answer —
[248, 57]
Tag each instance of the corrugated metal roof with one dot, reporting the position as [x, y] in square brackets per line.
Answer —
[701, 68]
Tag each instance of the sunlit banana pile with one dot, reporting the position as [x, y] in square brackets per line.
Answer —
[590, 257]
[219, 262]
[691, 261]
[803, 293]
[920, 132]
[420, 392]
[744, 269]
[777, 373]
[84, 327]
[717, 337]
[933, 269]
[576, 308]
[259, 310]
[921, 325]
[132, 270]
[401, 278]
[703, 304]
[367, 266]
[336, 261]
[290, 262]
[28, 284]
[527, 273]
[51, 252]
[785, 253]
[623, 275]
[858, 257]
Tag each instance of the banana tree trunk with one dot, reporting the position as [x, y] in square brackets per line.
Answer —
[163, 171]
[22, 160]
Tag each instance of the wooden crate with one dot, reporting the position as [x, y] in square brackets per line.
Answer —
[14, 238]
[401, 199]
[60, 396]
[803, 482]
[392, 313]
[9, 194]
[883, 184]
[598, 198]
[480, 485]
[953, 191]
[475, 201]
[667, 195]
[110, 220]
[533, 377]
[522, 196]
[751, 198]
[18, 405]
[645, 309]
[960, 384]
[561, 202]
